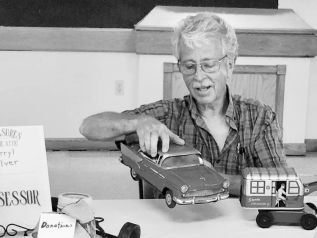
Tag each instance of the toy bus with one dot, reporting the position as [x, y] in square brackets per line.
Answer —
[278, 193]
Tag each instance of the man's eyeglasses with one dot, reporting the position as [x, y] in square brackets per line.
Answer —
[208, 66]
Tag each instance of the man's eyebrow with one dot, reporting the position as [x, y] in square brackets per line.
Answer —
[201, 60]
[206, 59]
[188, 61]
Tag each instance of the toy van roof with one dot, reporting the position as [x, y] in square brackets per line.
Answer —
[279, 173]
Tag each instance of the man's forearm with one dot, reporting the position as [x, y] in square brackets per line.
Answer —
[108, 125]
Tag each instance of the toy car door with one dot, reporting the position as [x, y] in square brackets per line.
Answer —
[295, 196]
[279, 196]
[287, 194]
[151, 170]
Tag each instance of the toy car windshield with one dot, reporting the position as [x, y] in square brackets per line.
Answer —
[181, 161]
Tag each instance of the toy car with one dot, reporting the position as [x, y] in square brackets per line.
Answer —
[180, 174]
[278, 193]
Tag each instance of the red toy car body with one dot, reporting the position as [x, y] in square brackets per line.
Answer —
[180, 174]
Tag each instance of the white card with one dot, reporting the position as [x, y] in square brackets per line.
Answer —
[24, 182]
[54, 225]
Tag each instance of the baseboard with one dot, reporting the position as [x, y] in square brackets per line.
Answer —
[84, 144]
[311, 145]
[295, 148]
[78, 144]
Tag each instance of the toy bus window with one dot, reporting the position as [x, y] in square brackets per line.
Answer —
[273, 187]
[293, 187]
[257, 187]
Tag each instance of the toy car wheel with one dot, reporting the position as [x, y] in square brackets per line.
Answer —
[134, 175]
[308, 221]
[130, 230]
[264, 219]
[169, 199]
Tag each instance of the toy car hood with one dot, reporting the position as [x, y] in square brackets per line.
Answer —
[197, 176]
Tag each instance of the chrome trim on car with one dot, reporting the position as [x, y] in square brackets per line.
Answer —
[200, 193]
[200, 200]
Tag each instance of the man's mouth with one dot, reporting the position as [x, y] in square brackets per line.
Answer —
[203, 88]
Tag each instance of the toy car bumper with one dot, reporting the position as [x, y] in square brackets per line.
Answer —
[200, 200]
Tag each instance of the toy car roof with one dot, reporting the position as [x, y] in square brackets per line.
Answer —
[179, 150]
[279, 173]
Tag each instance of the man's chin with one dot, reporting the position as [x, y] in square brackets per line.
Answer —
[203, 100]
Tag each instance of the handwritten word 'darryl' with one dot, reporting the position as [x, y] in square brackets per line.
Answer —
[18, 198]
[14, 134]
[55, 225]
[6, 154]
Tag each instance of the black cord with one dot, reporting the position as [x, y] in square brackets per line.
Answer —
[10, 230]
[100, 231]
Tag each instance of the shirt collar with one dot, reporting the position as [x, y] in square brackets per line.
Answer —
[231, 117]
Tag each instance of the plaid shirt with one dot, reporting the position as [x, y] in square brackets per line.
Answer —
[254, 138]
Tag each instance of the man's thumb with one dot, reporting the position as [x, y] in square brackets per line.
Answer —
[176, 139]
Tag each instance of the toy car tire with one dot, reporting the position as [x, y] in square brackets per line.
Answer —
[169, 199]
[308, 221]
[264, 219]
[134, 175]
[130, 230]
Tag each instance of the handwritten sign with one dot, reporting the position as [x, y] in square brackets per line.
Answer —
[54, 225]
[24, 183]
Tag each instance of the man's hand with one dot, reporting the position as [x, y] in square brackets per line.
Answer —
[150, 130]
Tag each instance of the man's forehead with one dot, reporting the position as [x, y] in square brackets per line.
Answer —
[211, 49]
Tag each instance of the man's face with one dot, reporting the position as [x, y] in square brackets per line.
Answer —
[206, 88]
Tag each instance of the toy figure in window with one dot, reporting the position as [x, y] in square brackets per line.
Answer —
[281, 196]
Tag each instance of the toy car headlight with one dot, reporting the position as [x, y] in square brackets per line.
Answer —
[184, 188]
[226, 184]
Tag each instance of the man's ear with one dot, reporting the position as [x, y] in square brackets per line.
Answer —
[230, 65]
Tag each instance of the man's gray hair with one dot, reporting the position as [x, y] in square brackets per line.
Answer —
[198, 29]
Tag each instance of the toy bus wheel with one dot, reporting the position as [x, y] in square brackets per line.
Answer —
[130, 230]
[308, 221]
[169, 199]
[264, 219]
[134, 175]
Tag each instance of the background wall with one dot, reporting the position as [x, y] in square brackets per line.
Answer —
[59, 89]
[307, 11]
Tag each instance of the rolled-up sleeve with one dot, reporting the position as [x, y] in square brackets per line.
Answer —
[158, 110]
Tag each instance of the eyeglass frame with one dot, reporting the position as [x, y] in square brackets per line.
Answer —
[219, 61]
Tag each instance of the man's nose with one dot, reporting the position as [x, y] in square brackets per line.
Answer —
[199, 75]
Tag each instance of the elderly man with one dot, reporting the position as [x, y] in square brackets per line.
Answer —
[231, 133]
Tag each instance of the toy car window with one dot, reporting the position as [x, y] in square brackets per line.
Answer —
[148, 156]
[257, 187]
[181, 161]
[293, 187]
[273, 187]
